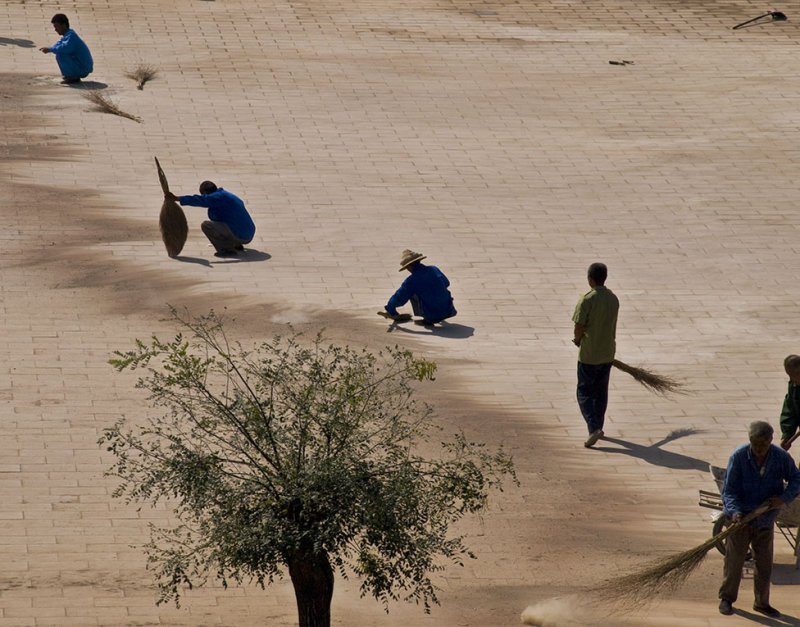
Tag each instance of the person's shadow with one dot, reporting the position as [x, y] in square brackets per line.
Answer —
[88, 85]
[22, 43]
[442, 329]
[248, 254]
[785, 620]
[654, 454]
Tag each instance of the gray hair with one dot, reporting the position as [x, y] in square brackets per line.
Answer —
[760, 430]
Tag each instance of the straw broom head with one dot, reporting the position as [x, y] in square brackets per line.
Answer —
[632, 591]
[657, 383]
[172, 220]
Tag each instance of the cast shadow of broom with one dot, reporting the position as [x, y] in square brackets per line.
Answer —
[654, 454]
[249, 254]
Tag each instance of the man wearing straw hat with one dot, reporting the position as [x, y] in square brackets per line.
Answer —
[229, 226]
[426, 288]
[790, 413]
[755, 476]
[595, 334]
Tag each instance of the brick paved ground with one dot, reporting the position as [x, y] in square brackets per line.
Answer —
[494, 137]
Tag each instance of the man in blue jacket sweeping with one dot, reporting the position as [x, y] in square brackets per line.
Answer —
[758, 473]
[229, 226]
[72, 54]
[426, 288]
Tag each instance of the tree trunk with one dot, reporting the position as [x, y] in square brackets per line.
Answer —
[312, 577]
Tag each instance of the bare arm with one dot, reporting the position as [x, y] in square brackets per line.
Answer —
[578, 335]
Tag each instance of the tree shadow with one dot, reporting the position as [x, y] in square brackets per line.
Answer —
[654, 454]
[442, 329]
[22, 43]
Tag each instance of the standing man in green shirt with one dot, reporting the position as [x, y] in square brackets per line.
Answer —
[595, 321]
[790, 414]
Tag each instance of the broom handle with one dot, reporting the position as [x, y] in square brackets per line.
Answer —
[764, 507]
[753, 20]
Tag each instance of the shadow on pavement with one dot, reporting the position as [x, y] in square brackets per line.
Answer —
[198, 260]
[785, 574]
[443, 329]
[88, 85]
[784, 621]
[22, 43]
[248, 254]
[655, 455]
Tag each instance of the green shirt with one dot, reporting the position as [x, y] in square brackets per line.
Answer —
[790, 414]
[596, 312]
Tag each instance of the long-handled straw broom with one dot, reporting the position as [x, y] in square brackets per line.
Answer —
[631, 591]
[171, 220]
[654, 382]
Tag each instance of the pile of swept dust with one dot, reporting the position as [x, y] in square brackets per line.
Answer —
[557, 612]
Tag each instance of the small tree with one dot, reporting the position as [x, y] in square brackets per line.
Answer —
[304, 457]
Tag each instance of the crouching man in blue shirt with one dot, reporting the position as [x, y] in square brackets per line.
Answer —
[426, 288]
[229, 226]
[756, 474]
[72, 54]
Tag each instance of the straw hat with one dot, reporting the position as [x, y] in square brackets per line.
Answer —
[408, 258]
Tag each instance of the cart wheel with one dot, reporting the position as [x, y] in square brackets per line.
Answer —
[720, 524]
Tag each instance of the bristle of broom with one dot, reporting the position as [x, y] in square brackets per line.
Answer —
[630, 592]
[171, 220]
[107, 106]
[654, 382]
[174, 229]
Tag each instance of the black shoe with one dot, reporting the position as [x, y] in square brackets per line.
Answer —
[594, 436]
[424, 323]
[766, 610]
[238, 247]
[70, 80]
[725, 607]
[225, 253]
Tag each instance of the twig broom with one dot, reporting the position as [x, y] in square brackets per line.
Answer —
[172, 220]
[631, 591]
[654, 382]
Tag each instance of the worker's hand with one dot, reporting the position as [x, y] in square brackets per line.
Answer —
[45, 50]
[775, 502]
[576, 341]
[171, 196]
[737, 517]
[786, 444]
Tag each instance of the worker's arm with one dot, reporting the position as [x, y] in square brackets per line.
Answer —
[578, 334]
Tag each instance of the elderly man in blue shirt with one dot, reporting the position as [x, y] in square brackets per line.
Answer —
[72, 54]
[758, 473]
[426, 288]
[229, 226]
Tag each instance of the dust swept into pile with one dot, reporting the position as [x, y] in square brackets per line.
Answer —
[556, 612]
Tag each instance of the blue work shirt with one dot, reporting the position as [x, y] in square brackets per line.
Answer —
[429, 285]
[746, 488]
[72, 55]
[225, 207]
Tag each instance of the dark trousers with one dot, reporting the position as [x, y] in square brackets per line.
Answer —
[735, 554]
[593, 393]
[221, 236]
